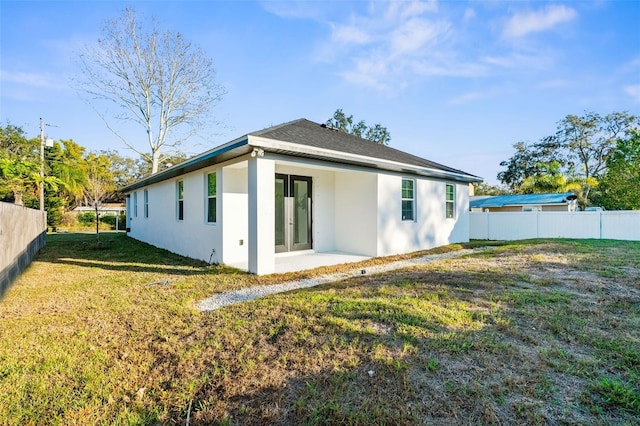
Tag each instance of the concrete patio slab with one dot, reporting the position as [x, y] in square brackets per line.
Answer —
[307, 259]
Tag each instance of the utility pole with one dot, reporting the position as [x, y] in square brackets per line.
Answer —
[41, 164]
[44, 142]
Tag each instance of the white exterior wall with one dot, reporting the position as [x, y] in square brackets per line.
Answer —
[322, 199]
[356, 216]
[430, 228]
[233, 204]
[191, 237]
[353, 211]
[261, 207]
[359, 212]
[460, 229]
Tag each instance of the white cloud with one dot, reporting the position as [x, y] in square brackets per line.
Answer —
[633, 91]
[387, 42]
[414, 34]
[554, 84]
[467, 98]
[293, 9]
[525, 23]
[469, 14]
[31, 79]
[401, 10]
[389, 45]
[448, 68]
[631, 66]
[538, 60]
[369, 72]
[350, 34]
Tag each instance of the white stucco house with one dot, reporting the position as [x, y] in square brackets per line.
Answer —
[299, 188]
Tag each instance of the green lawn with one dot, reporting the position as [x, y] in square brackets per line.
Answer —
[528, 332]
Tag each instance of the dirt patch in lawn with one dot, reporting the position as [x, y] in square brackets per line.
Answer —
[520, 335]
[533, 332]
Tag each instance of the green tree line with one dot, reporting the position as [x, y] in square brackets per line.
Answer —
[73, 176]
[597, 157]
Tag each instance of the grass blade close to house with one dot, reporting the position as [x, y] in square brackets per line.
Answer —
[529, 332]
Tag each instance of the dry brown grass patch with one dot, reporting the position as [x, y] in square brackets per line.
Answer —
[527, 333]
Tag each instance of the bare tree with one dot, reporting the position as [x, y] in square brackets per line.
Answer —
[99, 186]
[156, 79]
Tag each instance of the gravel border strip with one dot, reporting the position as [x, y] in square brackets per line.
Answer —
[221, 300]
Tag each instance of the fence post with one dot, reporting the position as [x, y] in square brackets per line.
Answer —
[488, 225]
[600, 214]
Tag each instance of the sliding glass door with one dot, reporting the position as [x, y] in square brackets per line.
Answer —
[292, 213]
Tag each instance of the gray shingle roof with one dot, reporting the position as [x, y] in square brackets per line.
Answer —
[313, 135]
[305, 132]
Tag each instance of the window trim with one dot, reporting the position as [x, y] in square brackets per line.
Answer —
[146, 204]
[412, 199]
[180, 200]
[451, 202]
[208, 197]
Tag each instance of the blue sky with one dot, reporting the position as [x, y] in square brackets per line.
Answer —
[455, 82]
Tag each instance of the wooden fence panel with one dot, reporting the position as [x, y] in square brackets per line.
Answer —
[23, 232]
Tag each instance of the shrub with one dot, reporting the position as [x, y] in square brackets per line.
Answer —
[122, 221]
[86, 218]
[69, 219]
[108, 219]
[111, 220]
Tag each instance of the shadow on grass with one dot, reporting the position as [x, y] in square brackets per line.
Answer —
[116, 251]
[304, 357]
[378, 357]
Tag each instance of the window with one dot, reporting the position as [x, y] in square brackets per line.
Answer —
[146, 203]
[450, 202]
[408, 199]
[211, 198]
[135, 204]
[180, 199]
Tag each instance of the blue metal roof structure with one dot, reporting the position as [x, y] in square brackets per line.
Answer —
[522, 199]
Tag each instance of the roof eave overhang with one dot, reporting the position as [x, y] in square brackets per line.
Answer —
[228, 151]
[305, 151]
[247, 143]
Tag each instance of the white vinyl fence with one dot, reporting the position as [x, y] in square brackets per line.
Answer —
[616, 225]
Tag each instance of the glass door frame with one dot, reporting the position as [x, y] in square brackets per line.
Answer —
[288, 213]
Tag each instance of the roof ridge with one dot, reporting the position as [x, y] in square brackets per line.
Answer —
[399, 151]
[359, 139]
[275, 127]
[306, 132]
